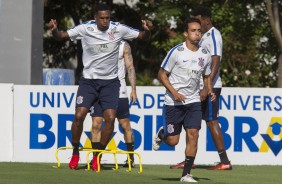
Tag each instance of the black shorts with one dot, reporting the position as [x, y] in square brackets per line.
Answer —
[122, 110]
[211, 109]
[187, 116]
[92, 90]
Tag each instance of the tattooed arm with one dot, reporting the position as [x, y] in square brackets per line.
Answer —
[128, 60]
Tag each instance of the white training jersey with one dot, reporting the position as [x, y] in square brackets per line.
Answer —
[186, 68]
[122, 72]
[100, 48]
[212, 42]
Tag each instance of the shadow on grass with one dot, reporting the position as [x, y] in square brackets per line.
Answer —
[203, 166]
[178, 179]
[103, 166]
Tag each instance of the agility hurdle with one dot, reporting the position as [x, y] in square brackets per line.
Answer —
[114, 152]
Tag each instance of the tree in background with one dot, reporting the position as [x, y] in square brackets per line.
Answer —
[274, 14]
[249, 53]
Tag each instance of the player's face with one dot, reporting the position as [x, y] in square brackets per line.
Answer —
[203, 23]
[193, 33]
[103, 20]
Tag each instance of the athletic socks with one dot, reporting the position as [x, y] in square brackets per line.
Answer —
[223, 157]
[95, 145]
[75, 150]
[188, 165]
[130, 147]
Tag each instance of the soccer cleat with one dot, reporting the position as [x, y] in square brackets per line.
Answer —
[180, 166]
[131, 163]
[94, 165]
[188, 178]
[221, 166]
[74, 162]
[157, 140]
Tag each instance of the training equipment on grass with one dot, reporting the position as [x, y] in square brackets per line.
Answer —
[114, 152]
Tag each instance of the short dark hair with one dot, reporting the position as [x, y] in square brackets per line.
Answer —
[101, 7]
[190, 20]
[203, 11]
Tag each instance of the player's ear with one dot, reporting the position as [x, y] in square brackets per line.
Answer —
[185, 34]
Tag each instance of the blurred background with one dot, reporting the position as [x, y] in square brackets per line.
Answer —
[251, 31]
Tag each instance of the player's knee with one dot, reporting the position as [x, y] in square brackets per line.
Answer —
[172, 141]
[110, 118]
[212, 123]
[79, 116]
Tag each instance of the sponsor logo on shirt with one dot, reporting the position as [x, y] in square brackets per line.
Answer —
[204, 51]
[90, 28]
[180, 48]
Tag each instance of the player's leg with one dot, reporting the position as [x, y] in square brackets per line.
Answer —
[97, 119]
[86, 94]
[96, 131]
[210, 115]
[123, 119]
[190, 154]
[170, 132]
[108, 98]
[128, 138]
[192, 125]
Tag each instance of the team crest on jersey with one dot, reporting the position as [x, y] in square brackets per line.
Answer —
[204, 51]
[90, 28]
[170, 128]
[79, 100]
[201, 62]
[180, 48]
[208, 34]
[111, 35]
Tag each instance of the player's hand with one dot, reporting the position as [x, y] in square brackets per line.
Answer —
[179, 97]
[52, 24]
[133, 96]
[147, 25]
[212, 96]
[203, 94]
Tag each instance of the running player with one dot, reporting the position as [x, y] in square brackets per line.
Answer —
[212, 42]
[180, 73]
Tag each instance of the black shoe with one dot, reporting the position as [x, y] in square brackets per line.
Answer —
[131, 163]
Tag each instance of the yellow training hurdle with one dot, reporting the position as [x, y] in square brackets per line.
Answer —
[114, 152]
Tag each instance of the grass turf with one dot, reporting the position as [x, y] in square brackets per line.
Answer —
[41, 173]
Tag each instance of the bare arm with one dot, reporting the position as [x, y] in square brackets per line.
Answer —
[146, 34]
[208, 87]
[214, 66]
[163, 77]
[58, 35]
[128, 60]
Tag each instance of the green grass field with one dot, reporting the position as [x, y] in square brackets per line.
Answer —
[37, 173]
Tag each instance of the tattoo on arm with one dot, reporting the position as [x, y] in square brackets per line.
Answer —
[128, 59]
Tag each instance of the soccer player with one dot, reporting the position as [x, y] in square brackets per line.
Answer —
[180, 73]
[212, 42]
[100, 42]
[125, 63]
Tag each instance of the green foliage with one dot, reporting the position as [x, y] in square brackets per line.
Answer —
[249, 45]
